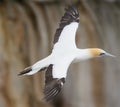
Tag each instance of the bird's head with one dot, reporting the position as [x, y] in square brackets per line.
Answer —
[96, 52]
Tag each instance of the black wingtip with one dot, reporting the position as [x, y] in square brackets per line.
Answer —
[73, 12]
[50, 94]
[26, 70]
[53, 89]
[71, 15]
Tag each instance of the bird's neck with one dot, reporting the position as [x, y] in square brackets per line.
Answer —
[83, 54]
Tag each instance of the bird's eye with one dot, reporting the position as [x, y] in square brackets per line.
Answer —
[102, 54]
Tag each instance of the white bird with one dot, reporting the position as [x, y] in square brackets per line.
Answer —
[63, 54]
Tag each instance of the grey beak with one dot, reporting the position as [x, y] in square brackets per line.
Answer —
[108, 54]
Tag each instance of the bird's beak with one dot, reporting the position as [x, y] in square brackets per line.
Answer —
[108, 54]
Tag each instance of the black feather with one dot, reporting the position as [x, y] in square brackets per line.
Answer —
[26, 70]
[53, 86]
[71, 15]
[53, 89]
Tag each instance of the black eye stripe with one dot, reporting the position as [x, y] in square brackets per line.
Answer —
[102, 54]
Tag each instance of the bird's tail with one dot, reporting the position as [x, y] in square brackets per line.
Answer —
[38, 66]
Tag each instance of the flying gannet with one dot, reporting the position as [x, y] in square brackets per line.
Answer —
[63, 54]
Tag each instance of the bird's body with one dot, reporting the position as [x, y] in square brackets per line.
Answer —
[63, 54]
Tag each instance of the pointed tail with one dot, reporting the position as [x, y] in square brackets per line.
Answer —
[38, 66]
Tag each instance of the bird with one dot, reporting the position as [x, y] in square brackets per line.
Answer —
[64, 53]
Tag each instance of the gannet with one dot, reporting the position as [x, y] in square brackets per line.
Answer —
[64, 52]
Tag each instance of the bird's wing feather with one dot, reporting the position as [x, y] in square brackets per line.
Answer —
[53, 86]
[66, 32]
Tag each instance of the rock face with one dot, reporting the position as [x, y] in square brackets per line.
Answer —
[26, 35]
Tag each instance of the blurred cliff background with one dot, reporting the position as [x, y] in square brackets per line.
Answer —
[27, 29]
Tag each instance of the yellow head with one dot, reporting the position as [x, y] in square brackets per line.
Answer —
[96, 52]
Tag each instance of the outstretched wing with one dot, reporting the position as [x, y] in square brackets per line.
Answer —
[53, 86]
[55, 76]
[67, 27]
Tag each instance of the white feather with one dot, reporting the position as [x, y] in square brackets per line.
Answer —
[60, 68]
[39, 65]
[67, 37]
